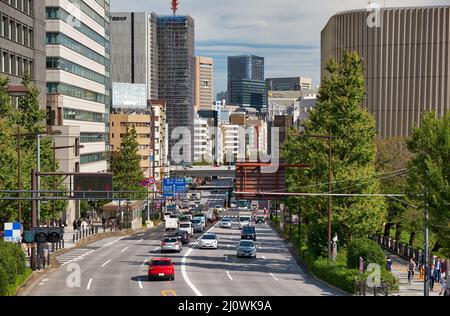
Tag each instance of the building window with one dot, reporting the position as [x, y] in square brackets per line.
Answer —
[79, 115]
[10, 30]
[5, 27]
[12, 64]
[91, 158]
[30, 35]
[18, 33]
[112, 136]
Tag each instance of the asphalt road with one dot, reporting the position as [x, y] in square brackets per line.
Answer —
[116, 266]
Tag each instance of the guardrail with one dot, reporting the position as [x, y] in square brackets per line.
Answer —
[403, 250]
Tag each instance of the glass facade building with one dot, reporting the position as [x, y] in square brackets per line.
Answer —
[246, 85]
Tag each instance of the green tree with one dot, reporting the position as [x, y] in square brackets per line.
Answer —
[338, 111]
[5, 100]
[125, 165]
[429, 173]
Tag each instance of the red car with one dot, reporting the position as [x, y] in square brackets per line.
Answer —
[161, 268]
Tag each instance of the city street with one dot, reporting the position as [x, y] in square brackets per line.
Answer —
[118, 267]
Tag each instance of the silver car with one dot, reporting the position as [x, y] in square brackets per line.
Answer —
[209, 241]
[246, 248]
[197, 224]
[170, 244]
[225, 223]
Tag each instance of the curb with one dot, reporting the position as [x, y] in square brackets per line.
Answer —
[303, 266]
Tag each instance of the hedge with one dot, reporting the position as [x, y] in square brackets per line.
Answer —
[12, 264]
[369, 250]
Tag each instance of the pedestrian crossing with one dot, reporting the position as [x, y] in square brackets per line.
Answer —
[74, 255]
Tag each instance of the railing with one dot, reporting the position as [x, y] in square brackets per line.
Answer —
[83, 233]
[403, 250]
[365, 289]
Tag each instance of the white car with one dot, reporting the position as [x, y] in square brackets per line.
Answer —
[209, 241]
[225, 223]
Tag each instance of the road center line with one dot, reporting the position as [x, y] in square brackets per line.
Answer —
[140, 284]
[273, 277]
[106, 263]
[89, 284]
[124, 249]
[229, 276]
[112, 242]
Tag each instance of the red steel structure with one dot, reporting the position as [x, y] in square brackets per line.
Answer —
[175, 5]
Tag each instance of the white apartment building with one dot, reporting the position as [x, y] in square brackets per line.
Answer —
[161, 143]
[202, 141]
[231, 142]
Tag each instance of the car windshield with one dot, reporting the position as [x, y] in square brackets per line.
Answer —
[226, 220]
[170, 240]
[160, 263]
[185, 225]
[246, 243]
[197, 221]
[209, 237]
[249, 230]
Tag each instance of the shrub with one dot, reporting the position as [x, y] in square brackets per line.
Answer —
[12, 260]
[3, 280]
[318, 239]
[369, 250]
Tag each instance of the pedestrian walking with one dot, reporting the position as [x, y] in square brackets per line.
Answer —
[79, 223]
[411, 268]
[432, 269]
[75, 224]
[389, 263]
[103, 223]
[443, 284]
[437, 274]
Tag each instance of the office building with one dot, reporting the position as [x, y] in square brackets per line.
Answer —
[230, 143]
[161, 139]
[134, 50]
[204, 83]
[221, 96]
[289, 84]
[203, 142]
[246, 85]
[176, 73]
[406, 62]
[22, 30]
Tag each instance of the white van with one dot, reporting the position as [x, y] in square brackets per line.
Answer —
[245, 219]
[186, 226]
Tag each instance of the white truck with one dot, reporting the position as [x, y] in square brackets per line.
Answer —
[245, 219]
[171, 223]
[187, 226]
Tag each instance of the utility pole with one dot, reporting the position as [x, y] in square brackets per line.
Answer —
[329, 196]
[19, 180]
[426, 287]
[38, 182]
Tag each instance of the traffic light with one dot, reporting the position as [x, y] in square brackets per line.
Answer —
[43, 235]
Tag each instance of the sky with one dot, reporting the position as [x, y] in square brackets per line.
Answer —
[285, 32]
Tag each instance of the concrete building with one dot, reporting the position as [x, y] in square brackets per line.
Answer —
[246, 85]
[134, 50]
[22, 45]
[204, 83]
[175, 36]
[289, 84]
[203, 142]
[140, 120]
[161, 139]
[406, 62]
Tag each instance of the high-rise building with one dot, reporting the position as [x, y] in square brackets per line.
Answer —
[160, 140]
[78, 87]
[204, 80]
[406, 62]
[175, 36]
[134, 50]
[223, 95]
[246, 85]
[22, 29]
[289, 84]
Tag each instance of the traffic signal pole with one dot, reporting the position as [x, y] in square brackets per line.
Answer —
[33, 219]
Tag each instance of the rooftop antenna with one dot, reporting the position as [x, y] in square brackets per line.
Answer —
[175, 4]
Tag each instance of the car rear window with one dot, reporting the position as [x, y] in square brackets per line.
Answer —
[170, 240]
[160, 263]
[185, 225]
[197, 221]
[244, 219]
[209, 237]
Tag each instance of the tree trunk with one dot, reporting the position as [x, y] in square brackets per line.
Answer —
[398, 232]
[412, 237]
[387, 229]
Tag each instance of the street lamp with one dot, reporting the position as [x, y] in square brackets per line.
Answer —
[329, 137]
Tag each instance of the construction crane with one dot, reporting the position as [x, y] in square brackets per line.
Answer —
[175, 4]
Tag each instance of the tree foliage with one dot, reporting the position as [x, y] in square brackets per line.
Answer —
[429, 173]
[125, 165]
[338, 110]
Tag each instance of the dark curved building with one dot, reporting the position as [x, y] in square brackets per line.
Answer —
[406, 61]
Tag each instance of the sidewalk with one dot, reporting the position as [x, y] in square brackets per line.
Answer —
[399, 269]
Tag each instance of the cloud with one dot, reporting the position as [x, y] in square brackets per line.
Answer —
[285, 32]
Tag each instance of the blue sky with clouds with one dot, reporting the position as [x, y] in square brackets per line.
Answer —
[285, 32]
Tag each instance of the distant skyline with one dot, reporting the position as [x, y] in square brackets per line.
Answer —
[285, 32]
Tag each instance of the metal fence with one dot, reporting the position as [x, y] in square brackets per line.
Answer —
[403, 250]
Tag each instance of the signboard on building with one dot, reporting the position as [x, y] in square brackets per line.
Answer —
[12, 232]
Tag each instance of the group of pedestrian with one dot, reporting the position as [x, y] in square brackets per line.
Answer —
[58, 223]
[434, 271]
[79, 224]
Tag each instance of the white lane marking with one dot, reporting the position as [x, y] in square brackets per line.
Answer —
[106, 263]
[229, 276]
[156, 248]
[273, 277]
[143, 264]
[141, 240]
[124, 249]
[41, 283]
[183, 266]
[264, 258]
[112, 242]
[45, 280]
[140, 284]
[77, 258]
[89, 284]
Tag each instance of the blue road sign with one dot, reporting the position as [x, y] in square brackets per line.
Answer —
[174, 187]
